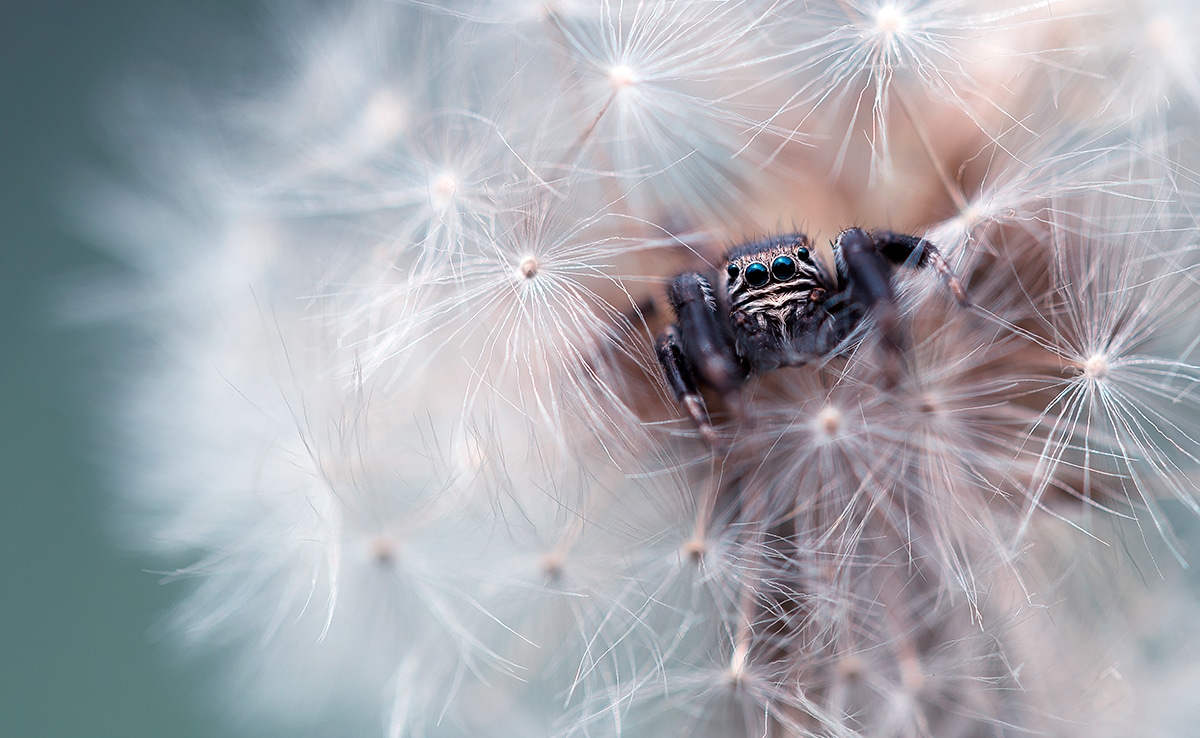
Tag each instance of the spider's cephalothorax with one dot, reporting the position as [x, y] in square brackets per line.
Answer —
[777, 305]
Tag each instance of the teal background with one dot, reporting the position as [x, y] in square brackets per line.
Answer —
[77, 616]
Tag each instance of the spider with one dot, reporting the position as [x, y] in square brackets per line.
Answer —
[776, 305]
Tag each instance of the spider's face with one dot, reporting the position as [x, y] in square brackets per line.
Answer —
[765, 274]
[776, 304]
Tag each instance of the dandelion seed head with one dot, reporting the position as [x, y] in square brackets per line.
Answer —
[890, 20]
[1095, 367]
[551, 564]
[828, 423]
[976, 211]
[528, 268]
[622, 76]
[931, 407]
[851, 667]
[738, 664]
[442, 190]
[695, 549]
[383, 550]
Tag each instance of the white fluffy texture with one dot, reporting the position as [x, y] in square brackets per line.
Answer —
[404, 430]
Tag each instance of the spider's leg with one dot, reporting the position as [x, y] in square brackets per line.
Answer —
[703, 347]
[900, 248]
[706, 341]
[869, 273]
[679, 375]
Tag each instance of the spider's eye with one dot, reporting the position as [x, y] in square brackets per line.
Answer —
[757, 275]
[733, 271]
[802, 254]
[784, 268]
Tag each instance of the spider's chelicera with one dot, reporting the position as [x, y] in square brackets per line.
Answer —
[776, 305]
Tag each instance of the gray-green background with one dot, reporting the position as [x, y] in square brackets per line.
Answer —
[77, 617]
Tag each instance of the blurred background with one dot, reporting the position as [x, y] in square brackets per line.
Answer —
[78, 618]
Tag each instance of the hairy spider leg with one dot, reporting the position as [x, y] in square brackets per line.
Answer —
[682, 379]
[868, 259]
[698, 349]
[899, 248]
[870, 275]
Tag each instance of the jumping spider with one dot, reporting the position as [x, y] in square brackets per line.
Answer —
[776, 305]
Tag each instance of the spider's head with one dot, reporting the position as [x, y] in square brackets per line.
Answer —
[782, 266]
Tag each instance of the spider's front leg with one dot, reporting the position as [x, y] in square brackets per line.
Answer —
[679, 375]
[913, 251]
[697, 350]
[867, 260]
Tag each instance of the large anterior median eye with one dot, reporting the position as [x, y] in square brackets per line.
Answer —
[784, 268]
[757, 275]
